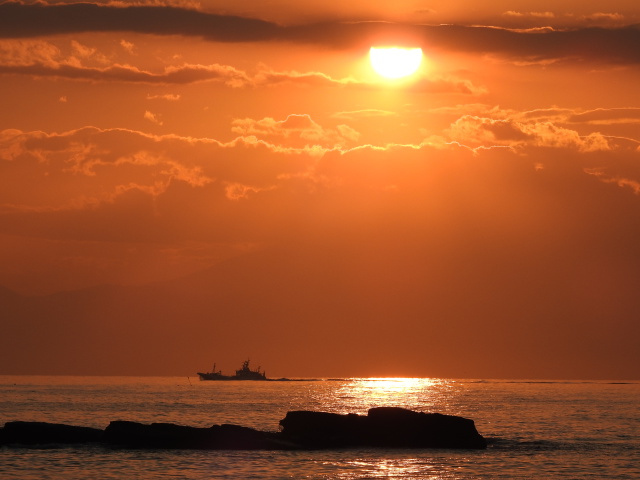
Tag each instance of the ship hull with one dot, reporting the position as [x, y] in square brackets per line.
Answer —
[217, 376]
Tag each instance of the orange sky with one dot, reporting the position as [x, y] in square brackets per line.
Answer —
[185, 182]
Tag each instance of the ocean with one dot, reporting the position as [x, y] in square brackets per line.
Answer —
[535, 429]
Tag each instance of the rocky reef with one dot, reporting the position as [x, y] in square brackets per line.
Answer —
[42, 433]
[167, 435]
[387, 427]
[382, 427]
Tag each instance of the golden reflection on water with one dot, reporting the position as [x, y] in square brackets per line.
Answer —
[395, 384]
[405, 466]
[361, 394]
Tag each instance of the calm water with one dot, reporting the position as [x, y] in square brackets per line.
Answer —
[536, 430]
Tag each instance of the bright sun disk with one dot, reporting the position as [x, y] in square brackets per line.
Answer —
[395, 62]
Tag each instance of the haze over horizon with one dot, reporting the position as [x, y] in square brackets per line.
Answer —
[188, 182]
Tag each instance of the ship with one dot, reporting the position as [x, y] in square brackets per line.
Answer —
[243, 373]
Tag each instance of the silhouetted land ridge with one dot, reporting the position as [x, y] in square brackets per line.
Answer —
[382, 427]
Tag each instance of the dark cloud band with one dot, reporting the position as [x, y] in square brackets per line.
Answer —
[613, 45]
[19, 20]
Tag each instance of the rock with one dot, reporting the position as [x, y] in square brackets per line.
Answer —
[167, 435]
[402, 427]
[388, 427]
[322, 429]
[41, 433]
[384, 427]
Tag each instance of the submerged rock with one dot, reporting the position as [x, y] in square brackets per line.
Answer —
[388, 427]
[42, 433]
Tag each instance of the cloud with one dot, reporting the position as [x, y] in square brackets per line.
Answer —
[512, 13]
[171, 97]
[83, 168]
[183, 74]
[187, 4]
[275, 160]
[23, 53]
[111, 162]
[433, 84]
[561, 20]
[591, 19]
[587, 43]
[556, 115]
[267, 77]
[152, 117]
[19, 20]
[606, 116]
[447, 85]
[20, 53]
[82, 50]
[128, 46]
[618, 180]
[487, 132]
[299, 128]
[239, 191]
[610, 45]
[604, 18]
[364, 113]
[616, 124]
[487, 126]
[43, 59]
[115, 187]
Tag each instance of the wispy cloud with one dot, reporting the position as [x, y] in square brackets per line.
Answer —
[606, 116]
[605, 18]
[43, 59]
[364, 113]
[152, 117]
[266, 154]
[183, 74]
[298, 127]
[268, 77]
[513, 13]
[474, 130]
[171, 97]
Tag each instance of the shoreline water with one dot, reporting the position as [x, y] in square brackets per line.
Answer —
[534, 428]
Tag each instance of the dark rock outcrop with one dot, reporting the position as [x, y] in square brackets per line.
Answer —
[167, 435]
[42, 433]
[388, 427]
[384, 427]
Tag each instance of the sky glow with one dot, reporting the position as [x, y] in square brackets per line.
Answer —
[183, 183]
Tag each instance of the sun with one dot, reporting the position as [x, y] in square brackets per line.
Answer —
[395, 62]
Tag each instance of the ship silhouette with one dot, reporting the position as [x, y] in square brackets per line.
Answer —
[243, 373]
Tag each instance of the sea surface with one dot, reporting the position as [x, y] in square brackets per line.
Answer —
[535, 429]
